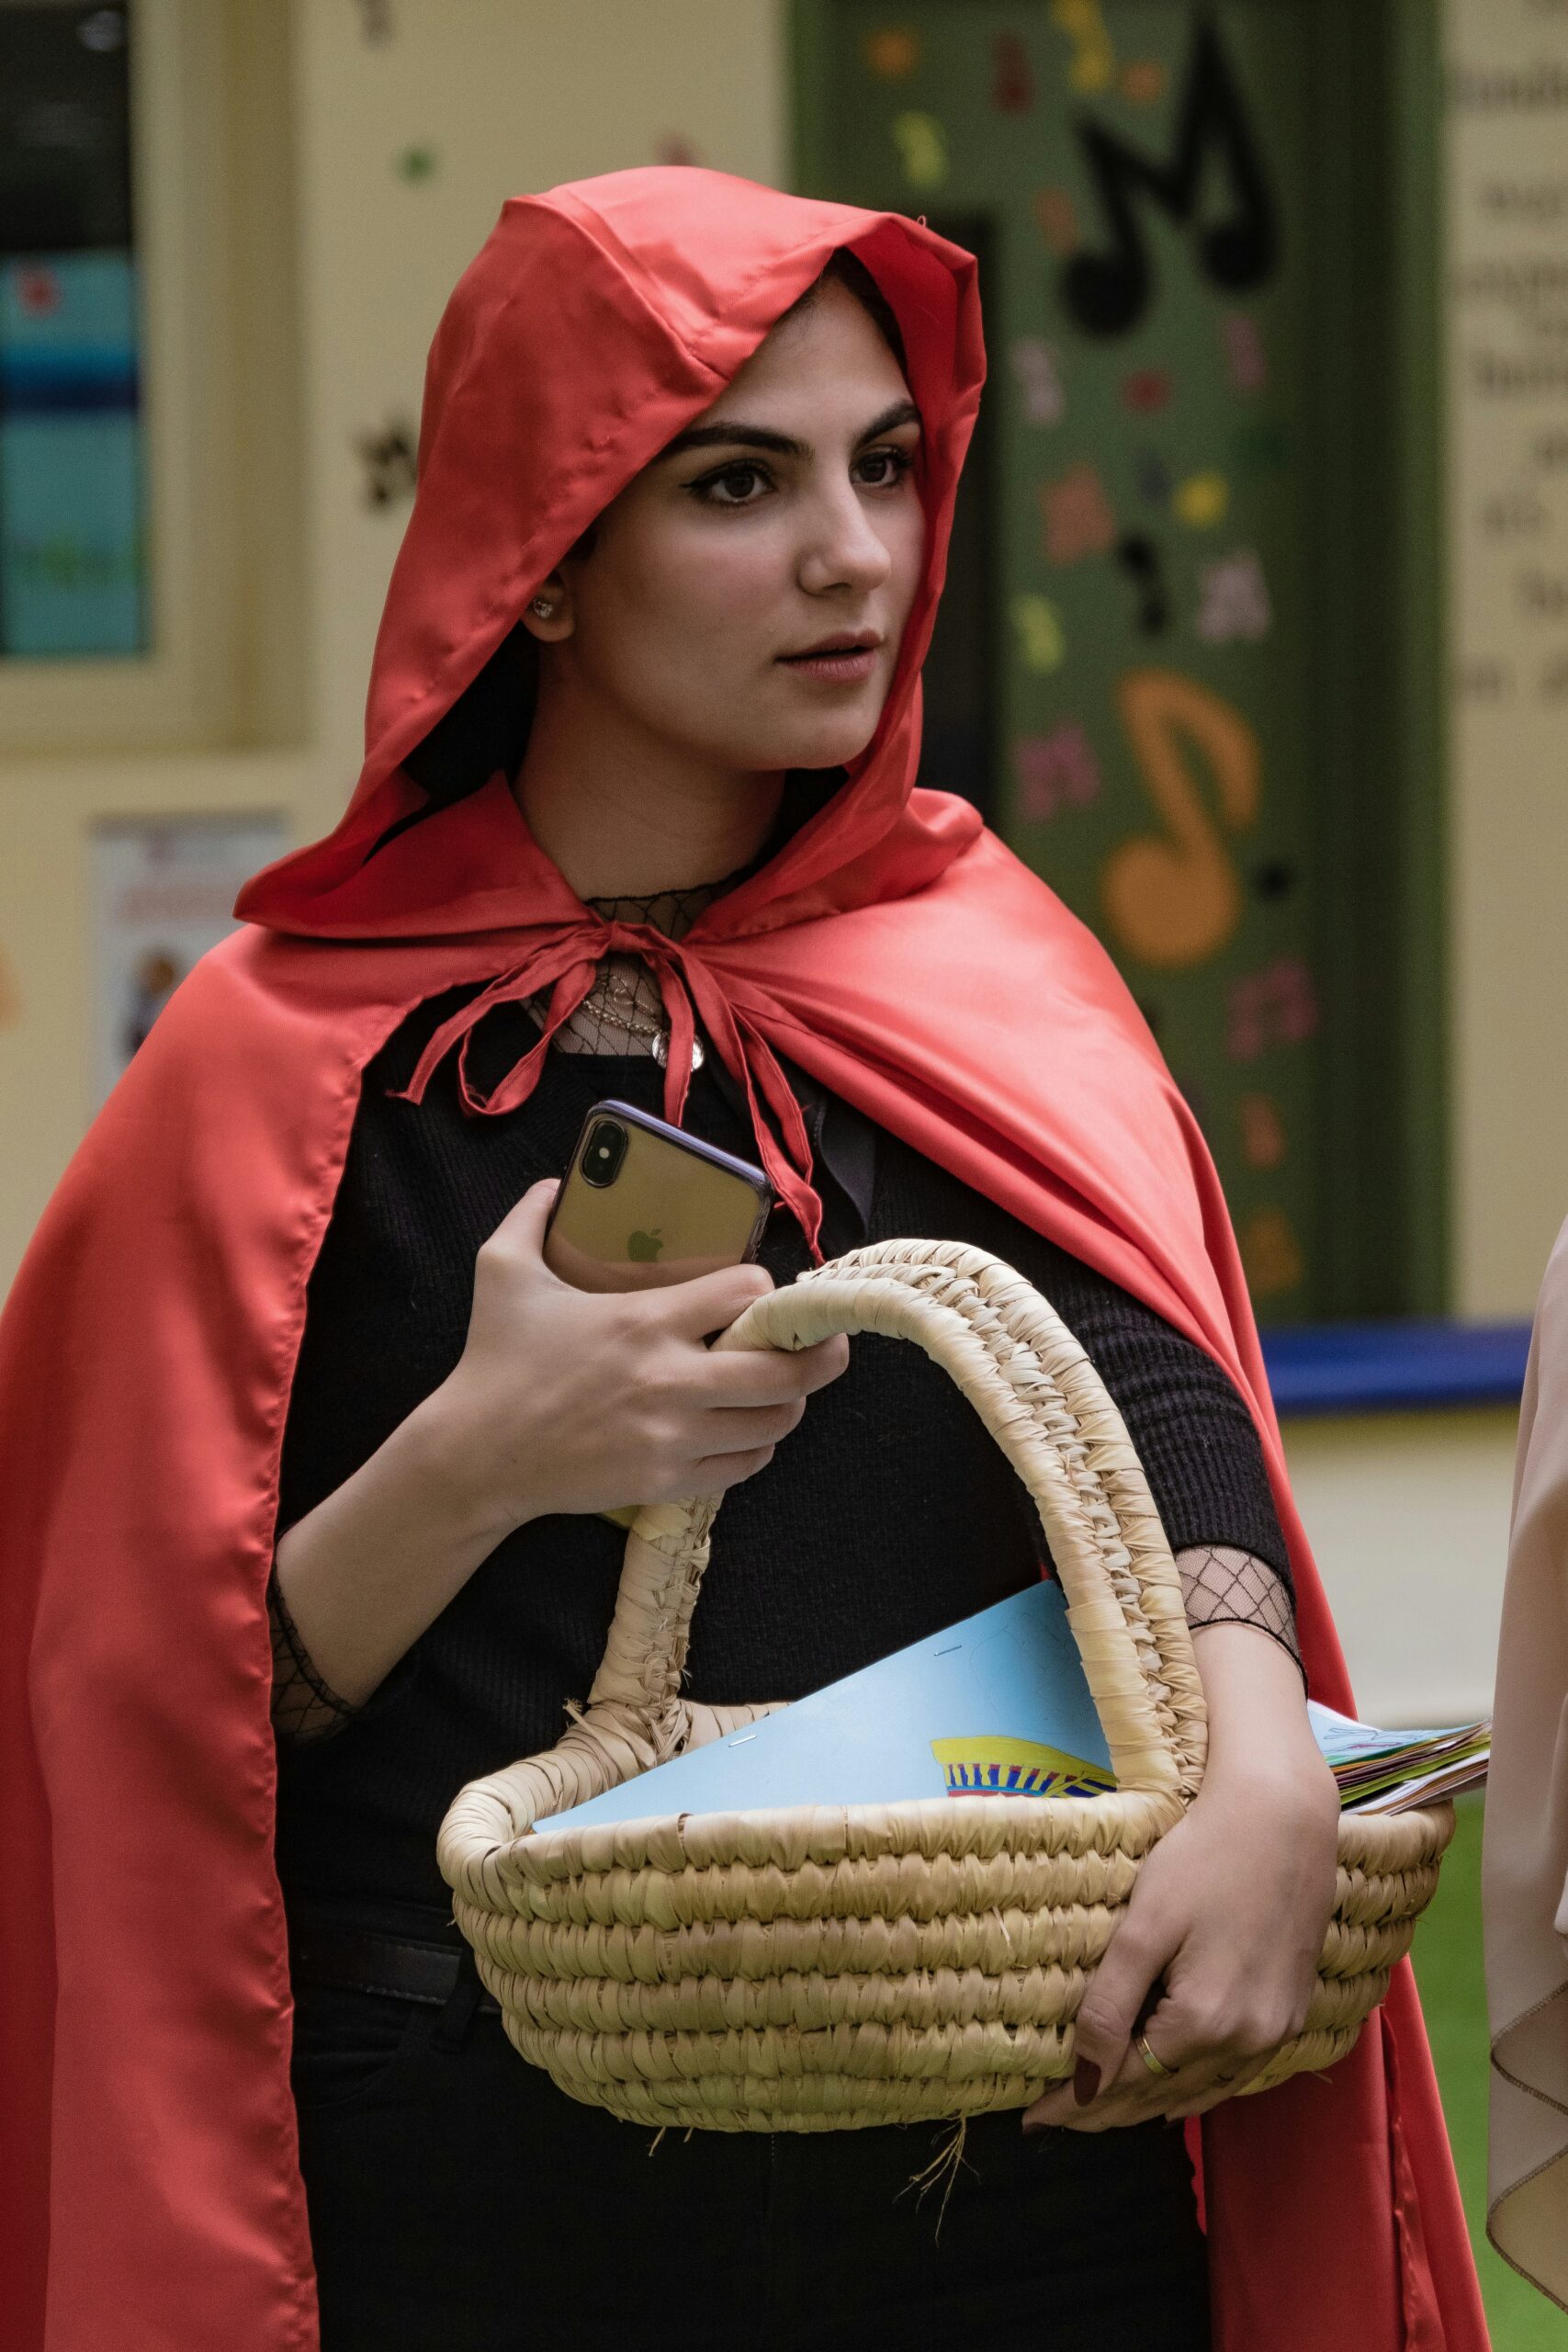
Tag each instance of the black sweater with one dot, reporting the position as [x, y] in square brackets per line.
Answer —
[886, 1515]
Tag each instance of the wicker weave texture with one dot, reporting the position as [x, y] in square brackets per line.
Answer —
[828, 1967]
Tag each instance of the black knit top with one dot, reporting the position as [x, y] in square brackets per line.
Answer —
[888, 1514]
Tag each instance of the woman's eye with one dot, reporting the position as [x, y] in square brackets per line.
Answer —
[733, 487]
[886, 467]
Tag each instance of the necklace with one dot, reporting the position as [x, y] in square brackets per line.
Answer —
[619, 1004]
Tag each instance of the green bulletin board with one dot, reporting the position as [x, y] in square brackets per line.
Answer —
[1135, 175]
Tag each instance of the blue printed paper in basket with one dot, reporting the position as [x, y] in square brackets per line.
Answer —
[996, 1705]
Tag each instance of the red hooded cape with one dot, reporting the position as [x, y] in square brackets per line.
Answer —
[895, 949]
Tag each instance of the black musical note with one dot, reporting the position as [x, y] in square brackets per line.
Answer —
[1140, 558]
[1107, 292]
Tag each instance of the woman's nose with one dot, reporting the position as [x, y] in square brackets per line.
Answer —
[845, 550]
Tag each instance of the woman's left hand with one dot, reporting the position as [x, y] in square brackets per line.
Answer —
[1215, 1960]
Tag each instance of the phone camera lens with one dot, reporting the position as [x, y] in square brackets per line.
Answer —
[603, 1153]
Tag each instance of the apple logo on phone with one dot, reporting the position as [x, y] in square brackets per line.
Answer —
[642, 1249]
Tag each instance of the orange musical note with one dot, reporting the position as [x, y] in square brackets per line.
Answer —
[1176, 900]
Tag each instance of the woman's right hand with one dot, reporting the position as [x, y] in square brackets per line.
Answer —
[572, 1400]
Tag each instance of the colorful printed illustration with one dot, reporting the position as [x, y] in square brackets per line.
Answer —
[922, 149]
[994, 1767]
[1042, 645]
[1077, 517]
[1234, 600]
[1054, 772]
[1175, 898]
[1038, 380]
[1275, 1007]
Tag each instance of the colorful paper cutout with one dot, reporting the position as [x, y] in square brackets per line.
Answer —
[1262, 1131]
[1039, 382]
[1261, 443]
[1057, 216]
[1056, 772]
[1093, 63]
[1277, 1006]
[1147, 390]
[1271, 1254]
[388, 459]
[1154, 478]
[890, 55]
[1202, 500]
[1140, 558]
[1077, 517]
[1041, 643]
[1107, 289]
[1143, 80]
[1234, 599]
[1175, 900]
[922, 149]
[1013, 76]
[1246, 358]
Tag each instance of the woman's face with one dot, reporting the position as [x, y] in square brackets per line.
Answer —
[745, 596]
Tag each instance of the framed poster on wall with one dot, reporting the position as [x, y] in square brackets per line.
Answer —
[163, 893]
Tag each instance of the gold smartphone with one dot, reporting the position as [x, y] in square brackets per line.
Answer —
[644, 1203]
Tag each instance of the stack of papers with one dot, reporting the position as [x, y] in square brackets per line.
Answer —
[996, 1706]
[1389, 1771]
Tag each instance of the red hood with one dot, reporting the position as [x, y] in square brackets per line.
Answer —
[595, 322]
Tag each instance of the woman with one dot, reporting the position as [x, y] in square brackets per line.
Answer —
[643, 731]
[1525, 1862]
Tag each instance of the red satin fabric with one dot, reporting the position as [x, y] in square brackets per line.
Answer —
[895, 950]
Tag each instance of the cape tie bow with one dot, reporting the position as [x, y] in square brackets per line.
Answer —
[567, 963]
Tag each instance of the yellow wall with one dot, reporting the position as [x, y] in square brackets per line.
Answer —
[1508, 525]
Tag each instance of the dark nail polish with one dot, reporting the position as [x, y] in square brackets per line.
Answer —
[1086, 2081]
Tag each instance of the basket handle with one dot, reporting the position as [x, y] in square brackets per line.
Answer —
[1047, 1406]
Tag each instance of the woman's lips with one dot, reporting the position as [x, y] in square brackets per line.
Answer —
[845, 666]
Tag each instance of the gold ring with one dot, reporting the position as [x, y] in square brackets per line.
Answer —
[1155, 2066]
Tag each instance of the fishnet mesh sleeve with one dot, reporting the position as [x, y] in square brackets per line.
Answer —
[304, 1707]
[1223, 1585]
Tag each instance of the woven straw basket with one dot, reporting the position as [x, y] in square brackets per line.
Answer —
[833, 1967]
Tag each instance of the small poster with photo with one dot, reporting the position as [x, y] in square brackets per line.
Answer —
[163, 893]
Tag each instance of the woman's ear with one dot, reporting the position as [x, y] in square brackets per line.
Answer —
[548, 615]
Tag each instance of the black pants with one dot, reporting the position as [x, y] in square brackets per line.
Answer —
[459, 2202]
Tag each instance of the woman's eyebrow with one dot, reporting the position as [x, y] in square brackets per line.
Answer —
[741, 436]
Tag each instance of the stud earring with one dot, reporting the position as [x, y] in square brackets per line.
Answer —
[542, 606]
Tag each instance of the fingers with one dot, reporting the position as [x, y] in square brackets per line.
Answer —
[710, 1301]
[522, 1227]
[737, 1378]
[1116, 1998]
